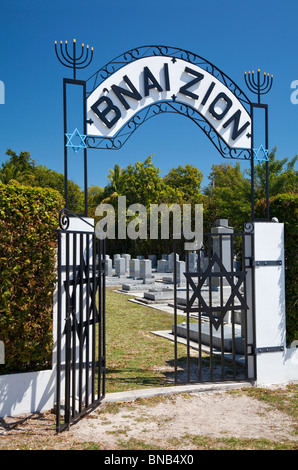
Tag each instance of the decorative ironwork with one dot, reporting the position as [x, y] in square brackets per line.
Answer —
[74, 62]
[257, 85]
[219, 272]
[73, 323]
[249, 227]
[155, 109]
[167, 51]
[64, 218]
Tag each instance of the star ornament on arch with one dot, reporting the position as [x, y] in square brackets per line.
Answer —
[209, 310]
[261, 154]
[76, 146]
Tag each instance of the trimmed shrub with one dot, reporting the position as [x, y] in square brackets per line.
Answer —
[28, 219]
[285, 208]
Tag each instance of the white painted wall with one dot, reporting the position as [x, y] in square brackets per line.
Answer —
[28, 392]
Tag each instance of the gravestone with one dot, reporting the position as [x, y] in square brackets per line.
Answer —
[145, 269]
[117, 256]
[171, 261]
[127, 259]
[162, 266]
[108, 266]
[192, 262]
[120, 267]
[180, 270]
[134, 268]
[153, 259]
[222, 246]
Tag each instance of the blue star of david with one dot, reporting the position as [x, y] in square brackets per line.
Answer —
[202, 277]
[75, 147]
[263, 158]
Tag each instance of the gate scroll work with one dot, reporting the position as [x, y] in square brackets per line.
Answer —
[142, 83]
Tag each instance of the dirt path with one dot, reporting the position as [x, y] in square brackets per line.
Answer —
[170, 422]
[208, 414]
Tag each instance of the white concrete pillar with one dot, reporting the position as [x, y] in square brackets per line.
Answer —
[275, 363]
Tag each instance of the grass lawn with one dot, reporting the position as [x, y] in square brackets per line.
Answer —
[137, 358]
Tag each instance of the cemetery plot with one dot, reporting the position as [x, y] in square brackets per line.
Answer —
[208, 290]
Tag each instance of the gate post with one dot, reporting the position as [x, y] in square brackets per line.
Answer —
[275, 363]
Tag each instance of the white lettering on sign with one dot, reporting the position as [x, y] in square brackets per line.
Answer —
[152, 79]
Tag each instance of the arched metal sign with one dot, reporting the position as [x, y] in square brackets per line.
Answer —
[151, 80]
[156, 79]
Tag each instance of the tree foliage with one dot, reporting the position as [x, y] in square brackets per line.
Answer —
[28, 243]
[21, 169]
[187, 180]
[228, 195]
[46, 178]
[283, 178]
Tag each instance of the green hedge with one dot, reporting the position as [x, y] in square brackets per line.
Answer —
[28, 219]
[285, 208]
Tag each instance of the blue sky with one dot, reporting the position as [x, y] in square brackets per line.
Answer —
[236, 36]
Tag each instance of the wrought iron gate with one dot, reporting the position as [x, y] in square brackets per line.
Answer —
[80, 325]
[215, 295]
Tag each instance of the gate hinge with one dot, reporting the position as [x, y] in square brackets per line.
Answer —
[267, 263]
[269, 349]
[252, 350]
[103, 361]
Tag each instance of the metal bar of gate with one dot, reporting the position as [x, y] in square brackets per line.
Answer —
[233, 310]
[222, 323]
[94, 315]
[74, 330]
[187, 319]
[244, 319]
[210, 240]
[199, 327]
[175, 313]
[59, 309]
[104, 320]
[67, 337]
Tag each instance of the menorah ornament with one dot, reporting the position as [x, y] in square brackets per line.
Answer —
[74, 62]
[257, 85]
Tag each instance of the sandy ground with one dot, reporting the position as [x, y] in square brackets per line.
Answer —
[164, 423]
[209, 414]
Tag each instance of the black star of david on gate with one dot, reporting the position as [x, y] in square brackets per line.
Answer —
[80, 279]
[208, 273]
